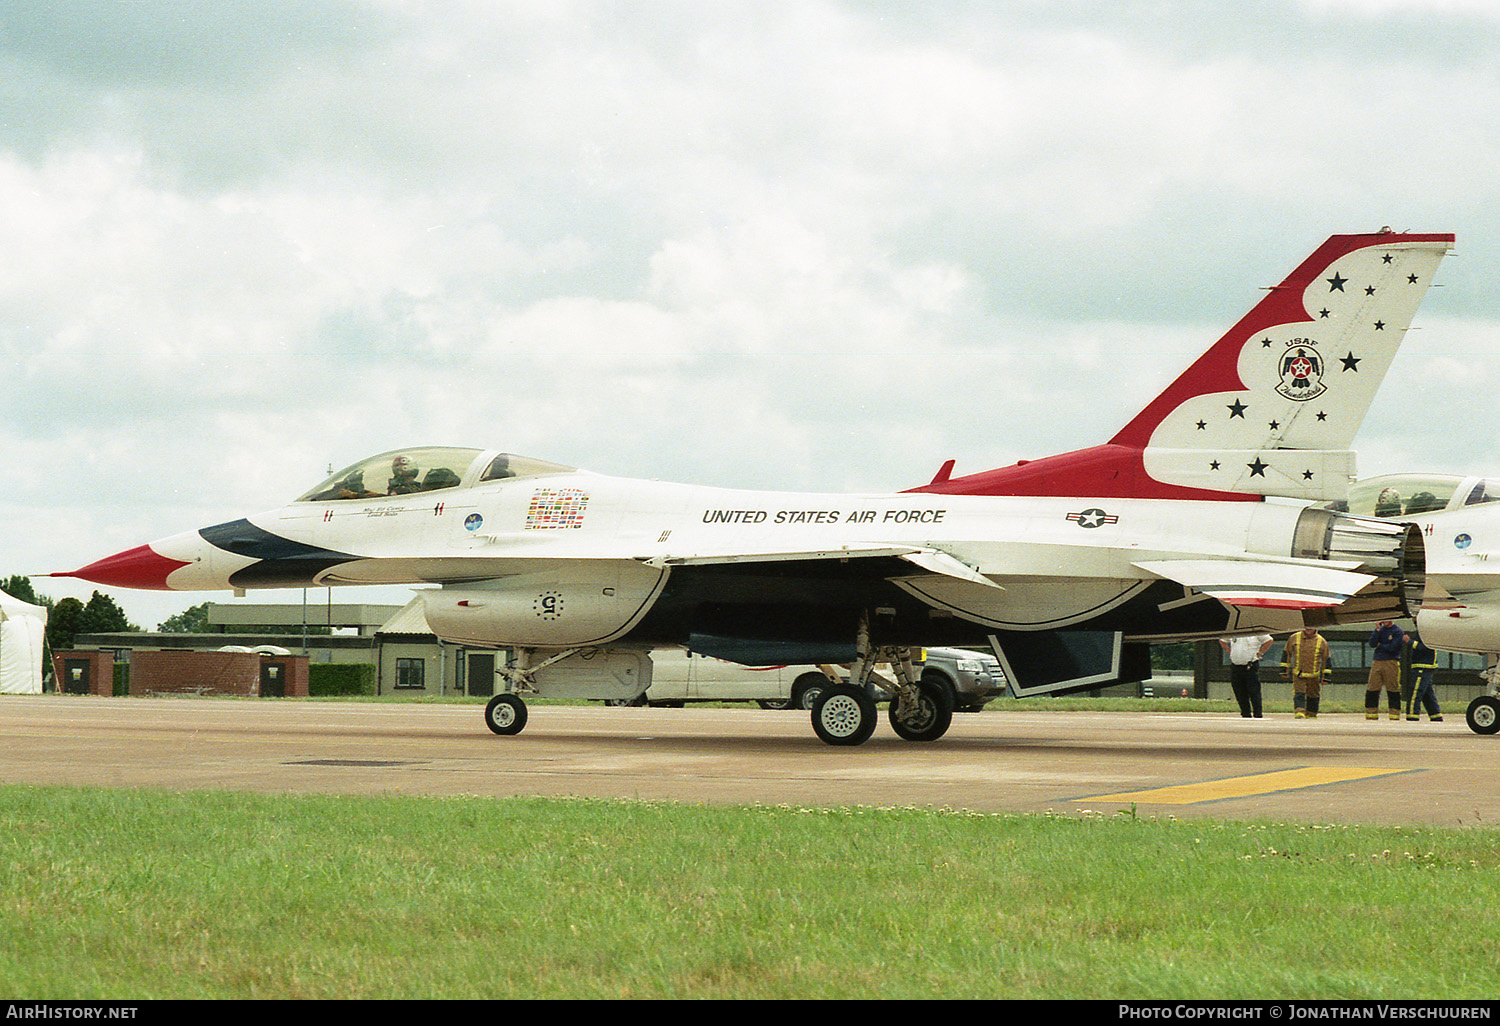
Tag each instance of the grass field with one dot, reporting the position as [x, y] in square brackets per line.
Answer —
[125, 895]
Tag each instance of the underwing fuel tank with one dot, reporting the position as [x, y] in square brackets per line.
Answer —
[588, 603]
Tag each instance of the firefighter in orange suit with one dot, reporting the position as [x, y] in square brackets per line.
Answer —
[1305, 661]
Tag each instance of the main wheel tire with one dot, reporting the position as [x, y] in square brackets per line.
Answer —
[1484, 715]
[844, 716]
[505, 714]
[947, 683]
[932, 716]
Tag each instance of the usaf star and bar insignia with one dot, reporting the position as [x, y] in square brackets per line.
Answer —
[1093, 518]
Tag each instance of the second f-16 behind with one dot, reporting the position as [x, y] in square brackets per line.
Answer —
[1067, 567]
[1459, 518]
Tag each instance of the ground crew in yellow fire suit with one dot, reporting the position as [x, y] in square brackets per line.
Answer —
[1305, 662]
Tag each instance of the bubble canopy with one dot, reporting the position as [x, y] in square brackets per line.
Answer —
[426, 469]
[1397, 495]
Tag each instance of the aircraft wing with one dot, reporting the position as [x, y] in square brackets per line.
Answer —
[1236, 582]
[1273, 585]
[927, 560]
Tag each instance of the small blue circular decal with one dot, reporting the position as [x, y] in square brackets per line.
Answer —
[473, 521]
[1462, 541]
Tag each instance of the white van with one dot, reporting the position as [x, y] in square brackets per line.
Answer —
[679, 676]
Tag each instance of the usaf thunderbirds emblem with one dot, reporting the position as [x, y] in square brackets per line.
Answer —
[1301, 371]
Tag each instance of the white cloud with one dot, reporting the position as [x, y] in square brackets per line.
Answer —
[1384, 9]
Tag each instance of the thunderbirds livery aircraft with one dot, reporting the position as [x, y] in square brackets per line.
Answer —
[1460, 522]
[1066, 567]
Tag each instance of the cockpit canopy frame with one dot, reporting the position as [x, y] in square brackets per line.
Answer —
[431, 468]
[1407, 495]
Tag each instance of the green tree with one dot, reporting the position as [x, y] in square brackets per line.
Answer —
[102, 616]
[62, 623]
[193, 620]
[20, 587]
[1177, 656]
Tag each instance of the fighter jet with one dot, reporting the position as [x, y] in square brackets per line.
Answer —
[1459, 518]
[1066, 567]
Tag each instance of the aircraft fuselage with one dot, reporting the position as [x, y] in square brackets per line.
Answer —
[577, 558]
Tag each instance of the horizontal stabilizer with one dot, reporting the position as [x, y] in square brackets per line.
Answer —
[1318, 475]
[936, 562]
[1262, 585]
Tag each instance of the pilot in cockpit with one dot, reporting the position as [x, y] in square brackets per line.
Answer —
[403, 476]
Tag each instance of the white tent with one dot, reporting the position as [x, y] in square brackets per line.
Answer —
[23, 628]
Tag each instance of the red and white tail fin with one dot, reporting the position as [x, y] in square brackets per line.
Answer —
[1272, 407]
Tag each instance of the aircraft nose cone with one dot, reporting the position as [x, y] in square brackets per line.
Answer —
[140, 567]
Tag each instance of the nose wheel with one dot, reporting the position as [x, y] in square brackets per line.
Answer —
[1484, 715]
[505, 714]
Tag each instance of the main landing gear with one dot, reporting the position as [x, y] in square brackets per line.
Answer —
[845, 714]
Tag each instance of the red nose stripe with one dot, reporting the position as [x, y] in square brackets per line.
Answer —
[140, 567]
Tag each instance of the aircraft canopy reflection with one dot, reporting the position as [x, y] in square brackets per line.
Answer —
[1404, 495]
[427, 469]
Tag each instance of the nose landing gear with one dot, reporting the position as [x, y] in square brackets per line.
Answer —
[505, 714]
[1484, 715]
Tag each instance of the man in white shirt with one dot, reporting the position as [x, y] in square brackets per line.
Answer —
[1244, 670]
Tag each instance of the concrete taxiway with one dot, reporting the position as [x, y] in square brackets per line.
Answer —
[1335, 769]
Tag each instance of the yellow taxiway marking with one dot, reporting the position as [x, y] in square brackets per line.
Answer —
[1244, 787]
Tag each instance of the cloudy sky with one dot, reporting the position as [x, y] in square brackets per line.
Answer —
[800, 244]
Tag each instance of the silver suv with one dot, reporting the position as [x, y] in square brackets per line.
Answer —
[973, 677]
